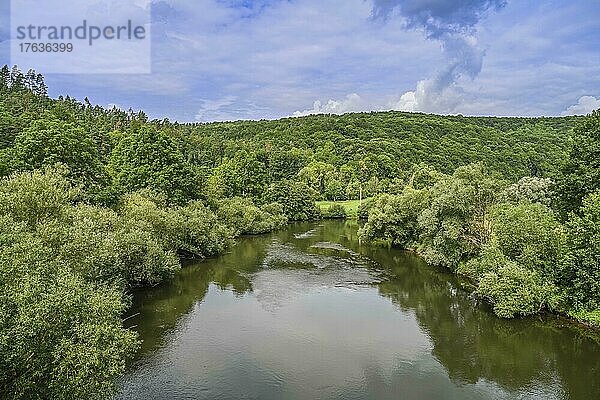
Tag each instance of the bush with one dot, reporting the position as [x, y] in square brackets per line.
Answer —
[364, 208]
[192, 230]
[296, 198]
[490, 260]
[514, 290]
[334, 211]
[394, 218]
[245, 218]
[529, 234]
[60, 336]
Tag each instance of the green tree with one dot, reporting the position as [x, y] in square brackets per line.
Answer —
[394, 218]
[530, 189]
[317, 175]
[297, 199]
[456, 224]
[147, 158]
[582, 264]
[580, 174]
[49, 141]
[36, 197]
[529, 234]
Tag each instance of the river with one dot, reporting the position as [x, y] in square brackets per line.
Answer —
[308, 313]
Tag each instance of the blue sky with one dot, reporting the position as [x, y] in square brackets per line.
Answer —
[241, 59]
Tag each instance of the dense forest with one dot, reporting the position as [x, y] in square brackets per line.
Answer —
[97, 201]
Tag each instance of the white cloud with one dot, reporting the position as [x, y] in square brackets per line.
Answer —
[272, 62]
[585, 105]
[228, 108]
[352, 103]
[214, 110]
[426, 98]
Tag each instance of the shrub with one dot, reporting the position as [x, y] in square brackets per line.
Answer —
[192, 230]
[60, 336]
[490, 260]
[394, 218]
[514, 290]
[296, 198]
[529, 234]
[245, 218]
[335, 211]
[364, 208]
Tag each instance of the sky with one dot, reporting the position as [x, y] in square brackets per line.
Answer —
[217, 60]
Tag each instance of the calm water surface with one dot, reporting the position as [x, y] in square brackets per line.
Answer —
[307, 313]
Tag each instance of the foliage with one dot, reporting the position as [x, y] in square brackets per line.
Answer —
[455, 225]
[529, 234]
[36, 197]
[246, 218]
[580, 174]
[49, 141]
[423, 176]
[582, 263]
[296, 198]
[334, 211]
[103, 246]
[63, 271]
[530, 189]
[350, 206]
[148, 158]
[60, 336]
[191, 230]
[364, 208]
[514, 290]
[394, 218]
[491, 259]
[66, 261]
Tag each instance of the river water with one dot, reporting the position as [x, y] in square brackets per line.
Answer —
[308, 313]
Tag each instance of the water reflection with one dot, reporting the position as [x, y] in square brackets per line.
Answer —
[309, 313]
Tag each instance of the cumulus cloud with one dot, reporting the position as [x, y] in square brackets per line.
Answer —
[453, 24]
[352, 103]
[585, 105]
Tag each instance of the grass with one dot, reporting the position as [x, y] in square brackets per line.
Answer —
[351, 206]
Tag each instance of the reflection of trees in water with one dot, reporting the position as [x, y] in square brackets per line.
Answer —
[161, 309]
[473, 344]
[470, 342]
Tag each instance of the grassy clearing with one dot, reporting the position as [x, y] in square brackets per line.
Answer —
[351, 206]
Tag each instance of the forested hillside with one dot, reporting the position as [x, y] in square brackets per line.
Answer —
[96, 201]
[337, 156]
